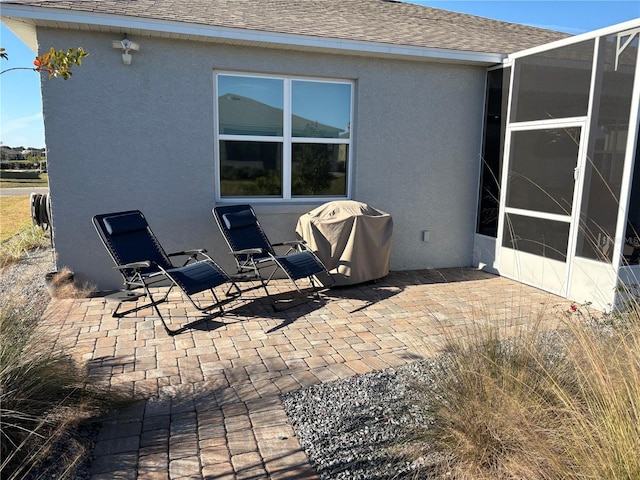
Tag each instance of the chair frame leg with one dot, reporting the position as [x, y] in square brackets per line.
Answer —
[251, 270]
[154, 302]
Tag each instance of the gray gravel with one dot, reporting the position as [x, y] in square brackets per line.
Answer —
[359, 428]
[23, 283]
[362, 427]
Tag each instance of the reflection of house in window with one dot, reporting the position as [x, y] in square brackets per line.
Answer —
[256, 142]
[245, 116]
[234, 110]
[302, 127]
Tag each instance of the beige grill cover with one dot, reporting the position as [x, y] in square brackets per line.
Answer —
[352, 239]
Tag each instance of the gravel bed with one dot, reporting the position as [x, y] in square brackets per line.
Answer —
[362, 427]
[23, 283]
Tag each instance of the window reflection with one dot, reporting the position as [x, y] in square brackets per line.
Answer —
[283, 137]
[319, 169]
[320, 109]
[250, 168]
[250, 105]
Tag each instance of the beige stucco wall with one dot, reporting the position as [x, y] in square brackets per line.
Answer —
[141, 137]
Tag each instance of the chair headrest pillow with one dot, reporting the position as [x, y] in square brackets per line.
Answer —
[243, 218]
[120, 224]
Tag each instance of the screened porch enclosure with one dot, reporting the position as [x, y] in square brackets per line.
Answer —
[561, 135]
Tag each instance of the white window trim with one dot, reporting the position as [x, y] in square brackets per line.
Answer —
[287, 140]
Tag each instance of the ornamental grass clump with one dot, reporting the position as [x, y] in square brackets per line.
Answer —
[43, 394]
[602, 438]
[61, 284]
[29, 239]
[540, 404]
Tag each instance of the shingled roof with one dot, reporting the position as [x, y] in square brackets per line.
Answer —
[377, 21]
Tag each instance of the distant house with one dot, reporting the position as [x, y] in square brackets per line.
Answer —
[512, 146]
[19, 157]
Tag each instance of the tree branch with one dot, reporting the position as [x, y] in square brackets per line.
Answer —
[18, 68]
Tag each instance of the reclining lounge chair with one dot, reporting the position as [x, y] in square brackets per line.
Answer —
[253, 251]
[143, 263]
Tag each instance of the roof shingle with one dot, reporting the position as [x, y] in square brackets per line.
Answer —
[378, 21]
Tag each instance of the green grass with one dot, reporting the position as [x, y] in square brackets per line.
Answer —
[42, 181]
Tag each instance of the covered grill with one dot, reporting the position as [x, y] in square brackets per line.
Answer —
[351, 238]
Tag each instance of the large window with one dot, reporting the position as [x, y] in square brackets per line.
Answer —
[283, 138]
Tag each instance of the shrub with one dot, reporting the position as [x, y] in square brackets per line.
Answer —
[16, 247]
[540, 404]
[42, 394]
[602, 438]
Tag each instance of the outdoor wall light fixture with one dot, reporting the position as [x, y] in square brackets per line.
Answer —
[125, 45]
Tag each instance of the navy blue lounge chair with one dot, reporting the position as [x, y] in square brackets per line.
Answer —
[253, 251]
[143, 263]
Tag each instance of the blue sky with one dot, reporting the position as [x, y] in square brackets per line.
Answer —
[21, 105]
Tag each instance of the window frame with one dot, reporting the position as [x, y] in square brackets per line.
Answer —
[287, 140]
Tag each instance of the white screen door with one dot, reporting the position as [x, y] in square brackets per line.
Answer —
[539, 202]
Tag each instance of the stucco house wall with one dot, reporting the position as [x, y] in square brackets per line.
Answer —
[141, 137]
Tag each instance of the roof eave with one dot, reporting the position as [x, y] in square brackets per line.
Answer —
[14, 15]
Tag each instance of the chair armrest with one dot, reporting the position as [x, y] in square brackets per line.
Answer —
[294, 246]
[247, 251]
[194, 255]
[189, 253]
[290, 243]
[134, 265]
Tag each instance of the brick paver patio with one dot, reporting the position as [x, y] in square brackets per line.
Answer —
[210, 397]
